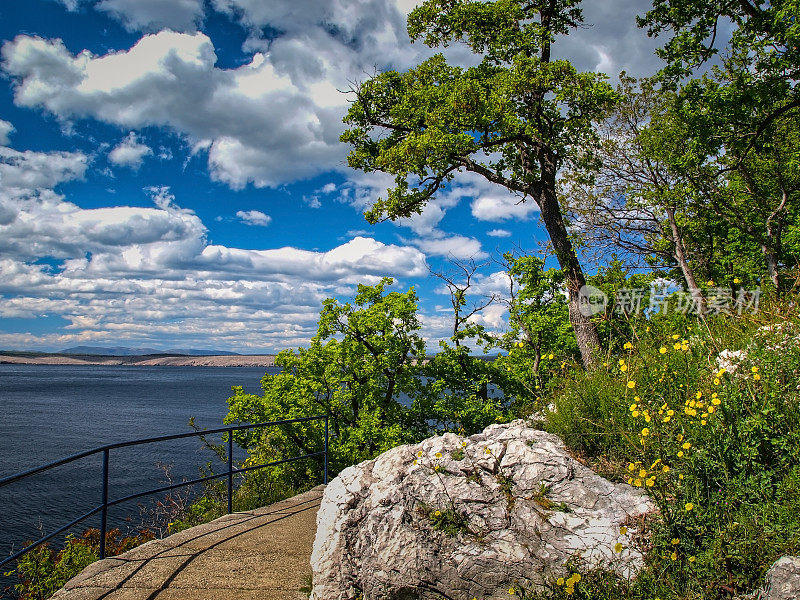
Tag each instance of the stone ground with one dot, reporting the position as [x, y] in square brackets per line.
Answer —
[258, 555]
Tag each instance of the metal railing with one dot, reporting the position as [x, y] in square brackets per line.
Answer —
[106, 452]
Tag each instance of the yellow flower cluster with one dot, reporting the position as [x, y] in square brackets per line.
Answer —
[569, 582]
[639, 476]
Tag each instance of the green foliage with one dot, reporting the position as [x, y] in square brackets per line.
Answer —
[717, 447]
[461, 392]
[43, 571]
[364, 357]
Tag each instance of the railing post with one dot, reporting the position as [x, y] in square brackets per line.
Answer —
[230, 471]
[326, 450]
[104, 515]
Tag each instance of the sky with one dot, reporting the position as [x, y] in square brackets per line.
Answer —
[171, 174]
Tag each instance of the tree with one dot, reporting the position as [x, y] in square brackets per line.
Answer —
[515, 119]
[633, 202]
[763, 50]
[734, 117]
[750, 183]
[460, 392]
[363, 359]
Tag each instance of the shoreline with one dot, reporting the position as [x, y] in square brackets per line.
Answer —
[147, 360]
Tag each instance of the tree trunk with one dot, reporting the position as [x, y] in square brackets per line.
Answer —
[686, 269]
[772, 267]
[585, 330]
[772, 249]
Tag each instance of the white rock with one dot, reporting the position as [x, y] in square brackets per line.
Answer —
[376, 534]
[783, 579]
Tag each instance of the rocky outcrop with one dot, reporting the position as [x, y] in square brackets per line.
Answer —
[783, 580]
[471, 518]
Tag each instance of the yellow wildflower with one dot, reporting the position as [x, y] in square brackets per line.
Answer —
[692, 559]
[665, 469]
[623, 368]
[675, 541]
[689, 507]
[675, 336]
[680, 453]
[631, 467]
[645, 432]
[686, 445]
[642, 473]
[438, 455]
[628, 346]
[618, 547]
[650, 482]
[662, 350]
[736, 280]
[716, 381]
[623, 530]
[631, 385]
[674, 556]
[676, 346]
[560, 581]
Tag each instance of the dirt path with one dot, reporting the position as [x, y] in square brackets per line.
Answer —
[258, 555]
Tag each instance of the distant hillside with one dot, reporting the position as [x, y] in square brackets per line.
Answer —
[124, 351]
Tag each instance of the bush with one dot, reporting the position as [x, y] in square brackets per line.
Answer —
[714, 441]
[43, 571]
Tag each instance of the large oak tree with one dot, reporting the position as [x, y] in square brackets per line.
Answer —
[516, 118]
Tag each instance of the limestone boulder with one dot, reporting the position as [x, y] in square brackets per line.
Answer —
[456, 517]
[783, 580]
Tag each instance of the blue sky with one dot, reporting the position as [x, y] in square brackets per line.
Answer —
[171, 176]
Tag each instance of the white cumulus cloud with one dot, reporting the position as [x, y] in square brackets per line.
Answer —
[254, 217]
[129, 152]
[151, 15]
[6, 129]
[502, 207]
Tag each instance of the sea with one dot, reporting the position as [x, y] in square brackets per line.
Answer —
[48, 412]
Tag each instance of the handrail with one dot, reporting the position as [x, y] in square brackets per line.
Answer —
[106, 451]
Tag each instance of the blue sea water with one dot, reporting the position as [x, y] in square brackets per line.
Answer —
[52, 411]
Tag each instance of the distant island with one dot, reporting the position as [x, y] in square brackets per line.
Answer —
[145, 357]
